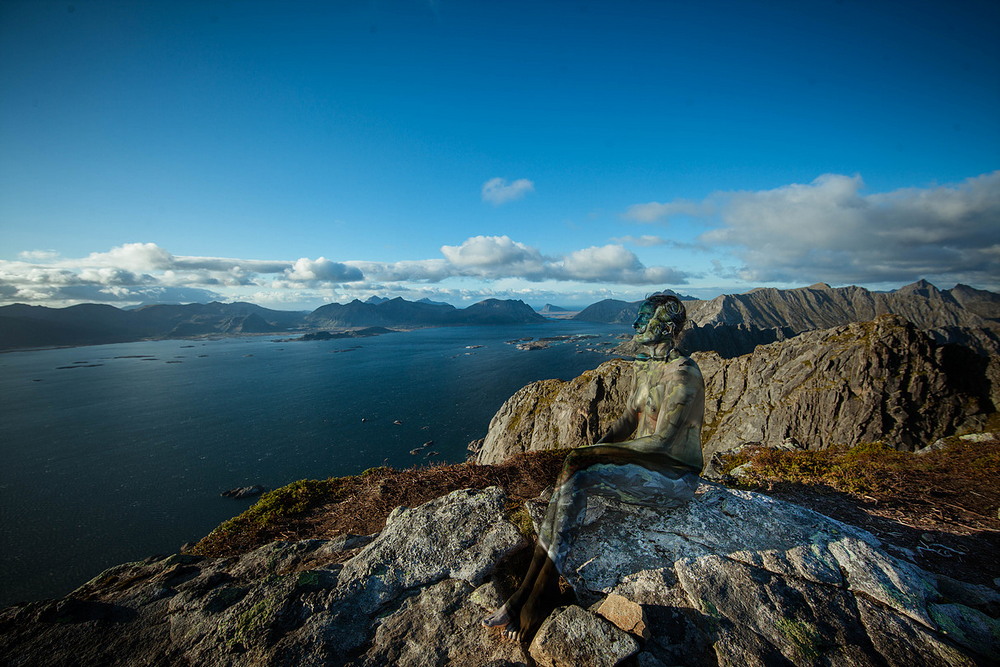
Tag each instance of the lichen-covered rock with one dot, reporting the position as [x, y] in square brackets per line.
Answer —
[732, 578]
[459, 536]
[284, 603]
[440, 626]
[753, 579]
[572, 636]
[553, 414]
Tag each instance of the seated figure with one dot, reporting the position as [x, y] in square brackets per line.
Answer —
[650, 456]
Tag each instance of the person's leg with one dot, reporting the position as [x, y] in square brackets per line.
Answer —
[525, 608]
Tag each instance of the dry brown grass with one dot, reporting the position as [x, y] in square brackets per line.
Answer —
[941, 506]
[360, 504]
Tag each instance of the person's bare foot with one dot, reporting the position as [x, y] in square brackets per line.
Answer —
[505, 621]
[499, 619]
[533, 612]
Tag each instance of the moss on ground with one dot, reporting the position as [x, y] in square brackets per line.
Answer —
[359, 504]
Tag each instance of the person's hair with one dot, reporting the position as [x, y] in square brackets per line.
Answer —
[676, 313]
[675, 308]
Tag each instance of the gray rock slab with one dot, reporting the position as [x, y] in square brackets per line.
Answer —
[440, 626]
[462, 535]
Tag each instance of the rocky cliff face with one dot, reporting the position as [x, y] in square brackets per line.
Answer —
[552, 414]
[732, 578]
[880, 380]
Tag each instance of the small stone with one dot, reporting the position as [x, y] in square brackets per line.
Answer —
[625, 614]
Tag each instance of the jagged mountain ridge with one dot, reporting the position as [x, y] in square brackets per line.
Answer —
[734, 324]
[820, 306]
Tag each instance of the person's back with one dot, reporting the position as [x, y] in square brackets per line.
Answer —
[669, 398]
[650, 456]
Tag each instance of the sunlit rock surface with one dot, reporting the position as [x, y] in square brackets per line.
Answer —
[732, 578]
[880, 380]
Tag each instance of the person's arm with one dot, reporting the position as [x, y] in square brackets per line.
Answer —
[623, 427]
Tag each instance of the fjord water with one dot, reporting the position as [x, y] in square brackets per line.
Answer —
[113, 453]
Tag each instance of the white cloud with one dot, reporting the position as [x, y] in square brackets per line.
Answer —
[654, 211]
[141, 272]
[498, 191]
[424, 270]
[830, 230]
[644, 241]
[615, 264]
[500, 257]
[137, 272]
[322, 270]
[107, 275]
[494, 256]
[38, 255]
[134, 257]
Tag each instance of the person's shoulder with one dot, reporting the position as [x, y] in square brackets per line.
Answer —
[684, 364]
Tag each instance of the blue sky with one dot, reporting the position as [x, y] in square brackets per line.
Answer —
[293, 154]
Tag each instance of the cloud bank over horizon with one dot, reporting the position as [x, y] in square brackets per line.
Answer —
[828, 230]
[144, 272]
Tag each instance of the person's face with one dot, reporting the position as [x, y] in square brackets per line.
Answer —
[651, 325]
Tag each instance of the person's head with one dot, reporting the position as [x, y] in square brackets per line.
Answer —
[660, 320]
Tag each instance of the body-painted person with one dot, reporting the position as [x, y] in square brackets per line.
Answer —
[649, 456]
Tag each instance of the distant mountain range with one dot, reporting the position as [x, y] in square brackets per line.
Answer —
[731, 324]
[820, 306]
[399, 312]
[90, 324]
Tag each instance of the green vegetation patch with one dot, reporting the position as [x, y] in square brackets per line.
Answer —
[805, 637]
[876, 469]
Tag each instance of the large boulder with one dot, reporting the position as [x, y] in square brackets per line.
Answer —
[738, 577]
[552, 414]
[312, 602]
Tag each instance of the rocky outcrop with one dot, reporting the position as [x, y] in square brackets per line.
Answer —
[732, 578]
[880, 380]
[408, 596]
[739, 578]
[551, 414]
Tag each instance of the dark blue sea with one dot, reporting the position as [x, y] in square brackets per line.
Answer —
[113, 453]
